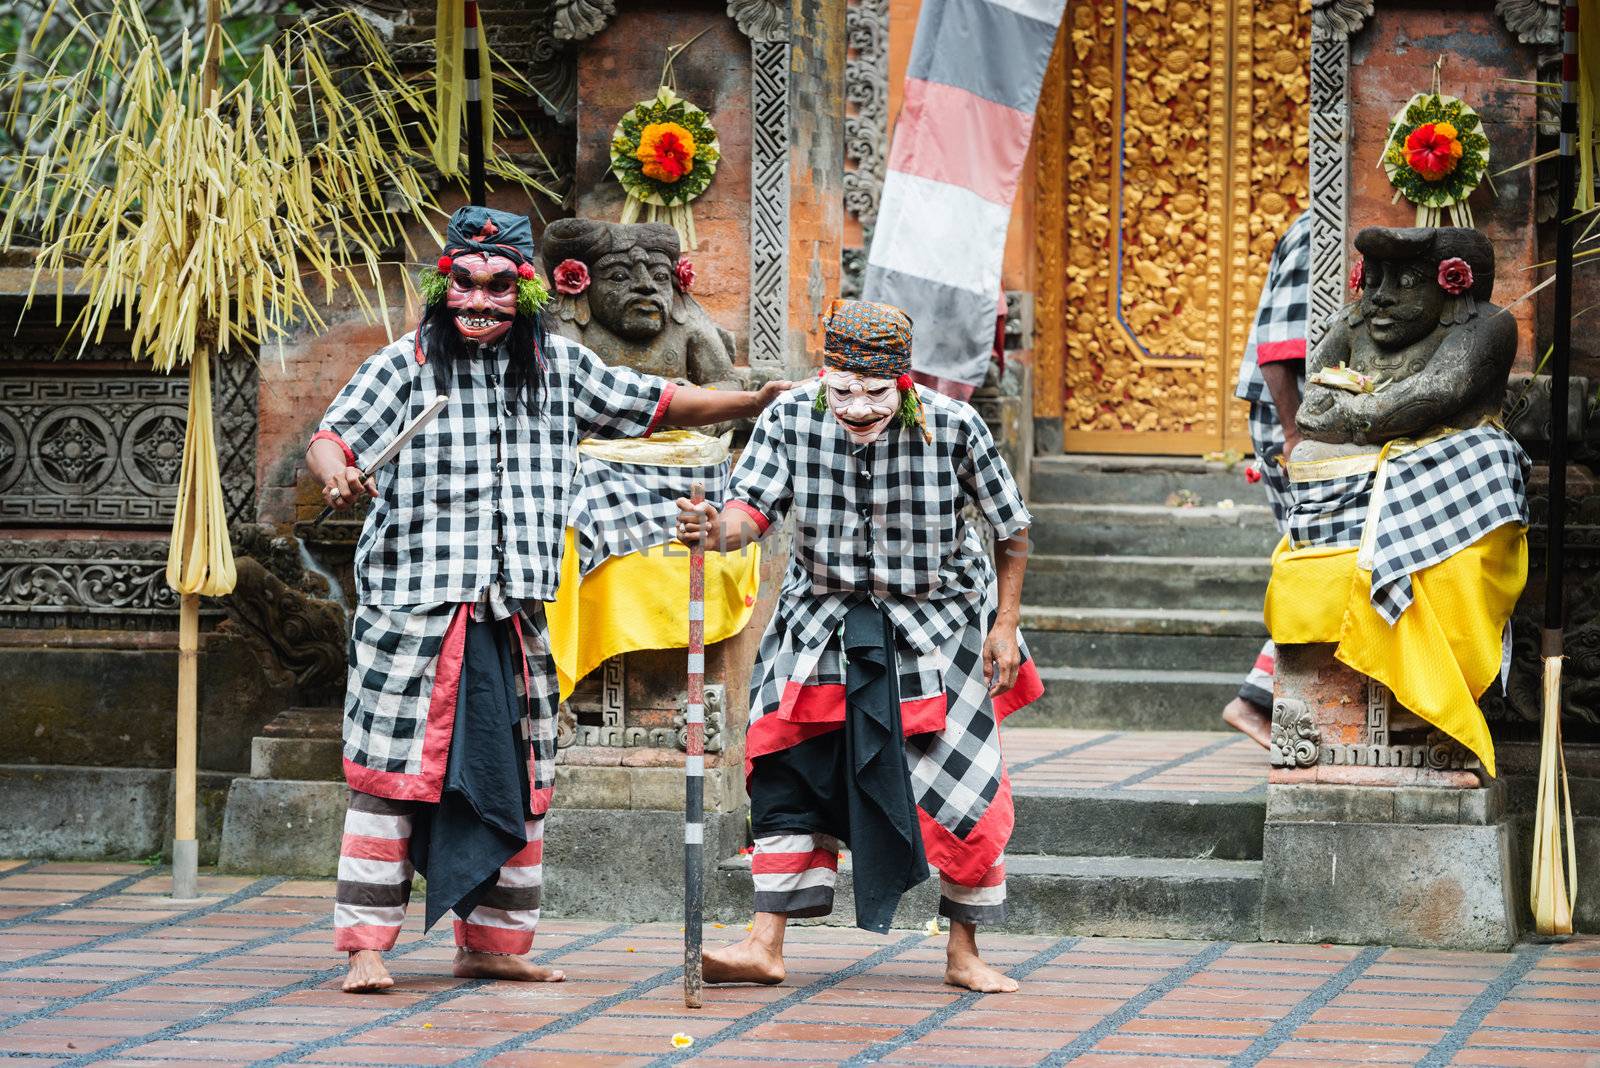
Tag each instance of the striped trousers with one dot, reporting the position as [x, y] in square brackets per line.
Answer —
[795, 874]
[375, 884]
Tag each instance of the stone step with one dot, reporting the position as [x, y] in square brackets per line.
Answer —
[1126, 823]
[1127, 897]
[1137, 480]
[1131, 699]
[1175, 639]
[1152, 530]
[1147, 581]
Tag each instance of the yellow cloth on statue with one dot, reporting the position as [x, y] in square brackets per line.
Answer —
[641, 601]
[1445, 649]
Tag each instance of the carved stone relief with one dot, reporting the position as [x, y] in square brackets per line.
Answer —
[866, 125]
[1296, 742]
[769, 203]
[64, 582]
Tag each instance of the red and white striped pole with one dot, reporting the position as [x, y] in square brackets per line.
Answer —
[477, 185]
[694, 770]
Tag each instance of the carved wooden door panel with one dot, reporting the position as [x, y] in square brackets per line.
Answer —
[1171, 154]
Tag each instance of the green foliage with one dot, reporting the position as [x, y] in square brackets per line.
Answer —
[531, 295]
[431, 283]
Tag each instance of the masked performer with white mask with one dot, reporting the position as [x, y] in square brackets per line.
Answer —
[449, 731]
[894, 653]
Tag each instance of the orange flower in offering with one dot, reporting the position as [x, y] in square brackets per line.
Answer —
[666, 151]
[1433, 150]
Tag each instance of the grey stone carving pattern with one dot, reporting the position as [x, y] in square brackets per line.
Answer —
[1534, 22]
[1377, 713]
[579, 20]
[1329, 163]
[763, 21]
[866, 127]
[769, 203]
[84, 582]
[1296, 742]
[613, 692]
[1339, 17]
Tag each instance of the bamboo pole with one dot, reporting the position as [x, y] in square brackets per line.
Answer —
[185, 844]
[477, 189]
[1550, 895]
[185, 847]
[694, 770]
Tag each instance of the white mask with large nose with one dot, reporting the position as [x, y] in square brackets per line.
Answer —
[862, 405]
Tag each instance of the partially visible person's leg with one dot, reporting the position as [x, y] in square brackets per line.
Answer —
[966, 907]
[794, 876]
[1251, 711]
[492, 940]
[374, 886]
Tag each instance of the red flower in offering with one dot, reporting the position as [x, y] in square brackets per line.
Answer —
[1433, 150]
[1455, 276]
[1358, 276]
[903, 383]
[444, 264]
[570, 277]
[683, 274]
[1252, 474]
[525, 270]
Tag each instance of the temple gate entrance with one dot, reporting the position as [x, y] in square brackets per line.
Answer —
[1171, 153]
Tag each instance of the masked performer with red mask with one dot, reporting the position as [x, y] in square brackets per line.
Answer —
[449, 731]
[882, 679]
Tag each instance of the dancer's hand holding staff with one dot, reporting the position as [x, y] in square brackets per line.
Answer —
[344, 488]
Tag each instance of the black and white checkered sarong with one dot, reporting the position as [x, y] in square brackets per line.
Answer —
[1436, 501]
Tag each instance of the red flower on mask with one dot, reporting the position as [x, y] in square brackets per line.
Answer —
[1455, 276]
[903, 383]
[570, 277]
[525, 271]
[683, 273]
[444, 264]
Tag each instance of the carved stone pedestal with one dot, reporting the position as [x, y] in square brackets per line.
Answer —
[1380, 830]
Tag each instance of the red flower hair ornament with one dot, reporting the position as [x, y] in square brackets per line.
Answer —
[444, 264]
[1455, 276]
[570, 277]
[683, 273]
[1358, 276]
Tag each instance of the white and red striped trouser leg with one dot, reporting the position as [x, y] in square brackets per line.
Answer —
[795, 873]
[375, 884]
[505, 920]
[374, 873]
[1257, 688]
[984, 902]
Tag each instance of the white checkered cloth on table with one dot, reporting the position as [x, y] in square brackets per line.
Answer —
[1436, 501]
[394, 654]
[1284, 313]
[886, 520]
[883, 519]
[620, 508]
[431, 536]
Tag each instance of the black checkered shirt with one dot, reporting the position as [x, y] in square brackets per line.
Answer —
[480, 495]
[883, 519]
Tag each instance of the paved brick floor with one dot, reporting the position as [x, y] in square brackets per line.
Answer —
[96, 968]
[1135, 761]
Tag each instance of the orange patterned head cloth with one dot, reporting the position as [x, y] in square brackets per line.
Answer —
[867, 338]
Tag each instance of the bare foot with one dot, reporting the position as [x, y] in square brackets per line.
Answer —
[1249, 719]
[367, 974]
[968, 970]
[749, 961]
[501, 966]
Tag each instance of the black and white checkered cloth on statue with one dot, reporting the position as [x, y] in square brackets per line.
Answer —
[620, 507]
[1437, 500]
[887, 520]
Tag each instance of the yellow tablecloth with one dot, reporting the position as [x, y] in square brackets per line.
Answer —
[1443, 652]
[641, 601]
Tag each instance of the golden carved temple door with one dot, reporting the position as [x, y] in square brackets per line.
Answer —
[1171, 153]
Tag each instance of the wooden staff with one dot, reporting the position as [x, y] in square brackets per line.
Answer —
[694, 771]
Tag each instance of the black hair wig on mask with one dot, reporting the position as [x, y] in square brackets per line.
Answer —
[443, 345]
